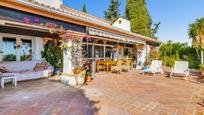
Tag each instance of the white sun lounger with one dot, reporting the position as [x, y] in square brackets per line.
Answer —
[180, 68]
[156, 67]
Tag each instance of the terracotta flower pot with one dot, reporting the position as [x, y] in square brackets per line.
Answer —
[202, 73]
[88, 78]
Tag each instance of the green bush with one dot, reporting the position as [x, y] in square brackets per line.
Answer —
[10, 57]
[171, 52]
[53, 54]
[168, 61]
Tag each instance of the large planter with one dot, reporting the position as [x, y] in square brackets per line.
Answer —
[74, 80]
[57, 71]
[88, 78]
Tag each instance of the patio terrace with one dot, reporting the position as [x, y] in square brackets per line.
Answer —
[108, 94]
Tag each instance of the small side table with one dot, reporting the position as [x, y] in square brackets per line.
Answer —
[4, 77]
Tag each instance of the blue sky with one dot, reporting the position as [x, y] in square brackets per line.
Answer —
[175, 15]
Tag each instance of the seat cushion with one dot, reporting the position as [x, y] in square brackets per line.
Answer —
[39, 67]
[4, 70]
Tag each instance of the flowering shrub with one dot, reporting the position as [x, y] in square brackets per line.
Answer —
[54, 47]
[26, 20]
[63, 37]
[36, 20]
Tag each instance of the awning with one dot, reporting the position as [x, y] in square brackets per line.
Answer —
[97, 32]
[32, 27]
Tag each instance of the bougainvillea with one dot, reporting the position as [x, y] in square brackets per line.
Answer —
[36, 20]
[62, 39]
[60, 42]
[26, 20]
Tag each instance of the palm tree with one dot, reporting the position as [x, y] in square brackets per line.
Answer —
[196, 32]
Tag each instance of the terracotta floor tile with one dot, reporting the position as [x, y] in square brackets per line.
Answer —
[129, 93]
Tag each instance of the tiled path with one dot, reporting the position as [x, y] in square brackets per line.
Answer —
[132, 93]
[108, 94]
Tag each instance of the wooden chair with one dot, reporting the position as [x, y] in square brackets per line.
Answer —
[100, 67]
[116, 67]
[125, 66]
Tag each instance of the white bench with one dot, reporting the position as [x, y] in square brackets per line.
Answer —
[5, 77]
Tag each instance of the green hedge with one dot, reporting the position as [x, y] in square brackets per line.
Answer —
[172, 51]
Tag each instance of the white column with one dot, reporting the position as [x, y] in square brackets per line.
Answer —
[39, 47]
[18, 49]
[93, 56]
[93, 48]
[34, 57]
[201, 57]
[1, 48]
[104, 49]
[67, 63]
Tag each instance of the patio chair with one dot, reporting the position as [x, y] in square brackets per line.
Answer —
[100, 67]
[156, 67]
[180, 69]
[125, 66]
[116, 67]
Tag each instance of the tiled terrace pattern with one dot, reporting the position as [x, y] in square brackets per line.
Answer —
[108, 94]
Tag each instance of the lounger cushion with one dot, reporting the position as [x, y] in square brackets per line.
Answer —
[39, 67]
[4, 70]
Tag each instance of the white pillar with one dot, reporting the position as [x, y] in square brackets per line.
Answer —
[18, 49]
[93, 56]
[34, 57]
[201, 57]
[1, 48]
[67, 63]
[38, 47]
[93, 48]
[104, 49]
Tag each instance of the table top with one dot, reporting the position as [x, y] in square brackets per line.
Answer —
[3, 76]
[106, 62]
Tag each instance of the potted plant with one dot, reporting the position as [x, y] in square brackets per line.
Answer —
[202, 70]
[88, 77]
[146, 65]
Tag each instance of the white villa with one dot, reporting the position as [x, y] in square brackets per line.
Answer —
[22, 37]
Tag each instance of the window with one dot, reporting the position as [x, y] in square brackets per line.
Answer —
[17, 49]
[128, 52]
[108, 52]
[26, 50]
[87, 51]
[99, 53]
[9, 49]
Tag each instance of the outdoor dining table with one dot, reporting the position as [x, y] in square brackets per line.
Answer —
[108, 64]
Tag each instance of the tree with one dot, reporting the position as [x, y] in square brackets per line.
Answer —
[156, 28]
[84, 8]
[196, 32]
[137, 13]
[113, 11]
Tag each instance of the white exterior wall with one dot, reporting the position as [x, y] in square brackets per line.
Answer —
[52, 3]
[122, 24]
